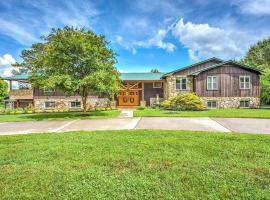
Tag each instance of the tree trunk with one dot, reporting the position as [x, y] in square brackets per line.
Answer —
[84, 99]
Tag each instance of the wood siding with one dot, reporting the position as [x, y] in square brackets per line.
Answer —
[150, 92]
[195, 68]
[39, 93]
[228, 82]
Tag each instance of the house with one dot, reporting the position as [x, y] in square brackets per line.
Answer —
[220, 84]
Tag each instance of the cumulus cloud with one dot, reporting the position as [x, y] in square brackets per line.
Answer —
[5, 64]
[158, 41]
[202, 40]
[6, 59]
[254, 7]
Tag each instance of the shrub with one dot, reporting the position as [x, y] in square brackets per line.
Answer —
[30, 107]
[141, 108]
[187, 101]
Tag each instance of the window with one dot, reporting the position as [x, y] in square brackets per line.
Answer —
[157, 85]
[181, 83]
[244, 82]
[211, 104]
[75, 104]
[244, 104]
[212, 83]
[50, 104]
[49, 90]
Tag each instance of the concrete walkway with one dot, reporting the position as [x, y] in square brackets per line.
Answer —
[125, 121]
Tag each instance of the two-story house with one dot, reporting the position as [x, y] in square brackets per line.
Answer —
[220, 84]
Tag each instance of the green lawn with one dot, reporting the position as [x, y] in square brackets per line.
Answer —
[59, 116]
[242, 113]
[138, 164]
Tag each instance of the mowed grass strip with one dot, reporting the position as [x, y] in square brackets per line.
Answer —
[59, 116]
[137, 164]
[226, 113]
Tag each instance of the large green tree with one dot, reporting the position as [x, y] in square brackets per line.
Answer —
[258, 56]
[3, 89]
[74, 59]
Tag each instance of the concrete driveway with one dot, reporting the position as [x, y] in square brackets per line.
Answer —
[168, 123]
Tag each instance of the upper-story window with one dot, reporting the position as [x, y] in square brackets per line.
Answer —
[157, 84]
[49, 90]
[244, 82]
[181, 83]
[212, 83]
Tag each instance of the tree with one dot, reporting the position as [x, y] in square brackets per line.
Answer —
[74, 59]
[258, 56]
[3, 89]
[154, 71]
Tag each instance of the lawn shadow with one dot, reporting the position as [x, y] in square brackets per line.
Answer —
[68, 115]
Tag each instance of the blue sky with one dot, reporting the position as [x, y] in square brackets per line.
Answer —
[146, 34]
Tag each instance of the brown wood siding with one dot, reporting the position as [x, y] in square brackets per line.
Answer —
[150, 92]
[196, 68]
[228, 82]
[58, 93]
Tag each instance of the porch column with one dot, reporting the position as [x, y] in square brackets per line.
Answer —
[10, 85]
[142, 91]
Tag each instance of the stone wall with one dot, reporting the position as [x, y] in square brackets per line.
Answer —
[170, 86]
[63, 103]
[232, 102]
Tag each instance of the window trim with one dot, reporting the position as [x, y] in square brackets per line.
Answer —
[157, 82]
[181, 88]
[211, 101]
[75, 107]
[244, 76]
[217, 85]
[50, 107]
[48, 90]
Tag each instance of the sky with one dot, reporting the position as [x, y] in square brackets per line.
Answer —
[145, 34]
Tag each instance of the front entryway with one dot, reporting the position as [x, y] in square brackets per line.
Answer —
[128, 98]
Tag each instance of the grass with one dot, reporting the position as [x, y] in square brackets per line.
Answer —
[59, 116]
[137, 164]
[226, 113]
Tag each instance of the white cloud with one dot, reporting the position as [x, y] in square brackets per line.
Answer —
[5, 65]
[254, 7]
[203, 40]
[7, 59]
[158, 41]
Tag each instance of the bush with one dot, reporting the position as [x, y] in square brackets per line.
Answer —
[188, 101]
[30, 107]
[141, 108]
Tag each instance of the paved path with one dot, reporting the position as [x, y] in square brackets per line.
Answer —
[127, 122]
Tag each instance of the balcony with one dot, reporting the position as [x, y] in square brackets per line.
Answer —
[21, 94]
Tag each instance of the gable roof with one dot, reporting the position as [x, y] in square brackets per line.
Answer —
[144, 76]
[224, 63]
[198, 63]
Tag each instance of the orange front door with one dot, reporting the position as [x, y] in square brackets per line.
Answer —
[129, 98]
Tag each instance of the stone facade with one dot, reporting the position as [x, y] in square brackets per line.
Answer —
[63, 103]
[170, 86]
[232, 102]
